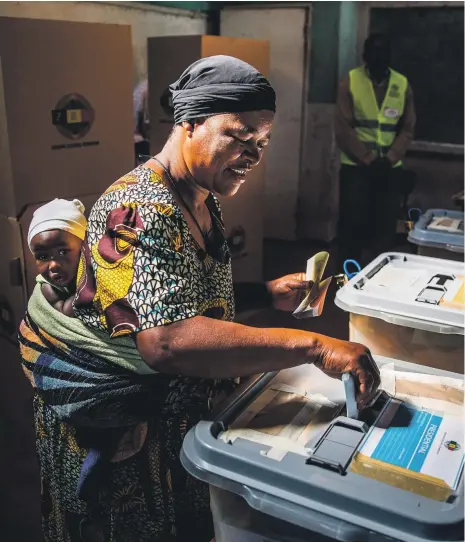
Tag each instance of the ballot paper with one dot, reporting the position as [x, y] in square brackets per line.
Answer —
[314, 300]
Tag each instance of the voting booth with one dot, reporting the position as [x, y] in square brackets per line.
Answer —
[66, 131]
[409, 307]
[285, 463]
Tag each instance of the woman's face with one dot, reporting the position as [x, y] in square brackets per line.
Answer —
[221, 150]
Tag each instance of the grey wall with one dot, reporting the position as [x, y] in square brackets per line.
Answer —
[332, 52]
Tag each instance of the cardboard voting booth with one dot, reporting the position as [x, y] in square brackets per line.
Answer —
[66, 124]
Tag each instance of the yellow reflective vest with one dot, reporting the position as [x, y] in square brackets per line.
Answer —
[376, 126]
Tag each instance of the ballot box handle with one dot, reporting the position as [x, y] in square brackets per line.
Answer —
[416, 323]
[455, 248]
[318, 522]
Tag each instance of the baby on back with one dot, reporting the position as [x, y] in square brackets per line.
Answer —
[55, 238]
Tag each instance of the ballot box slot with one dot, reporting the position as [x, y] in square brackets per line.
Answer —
[336, 446]
[376, 269]
[435, 289]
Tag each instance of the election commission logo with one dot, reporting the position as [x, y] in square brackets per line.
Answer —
[452, 445]
[73, 116]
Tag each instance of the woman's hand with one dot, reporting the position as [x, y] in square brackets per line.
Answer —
[288, 292]
[335, 357]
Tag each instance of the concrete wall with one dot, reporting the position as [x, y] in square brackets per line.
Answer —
[285, 28]
[317, 210]
[318, 199]
[145, 20]
[348, 57]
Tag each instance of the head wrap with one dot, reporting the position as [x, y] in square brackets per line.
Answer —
[59, 214]
[220, 84]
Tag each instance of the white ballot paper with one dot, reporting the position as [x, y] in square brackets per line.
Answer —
[314, 300]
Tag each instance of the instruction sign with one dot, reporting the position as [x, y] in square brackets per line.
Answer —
[421, 441]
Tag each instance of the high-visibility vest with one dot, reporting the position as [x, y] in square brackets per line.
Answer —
[376, 126]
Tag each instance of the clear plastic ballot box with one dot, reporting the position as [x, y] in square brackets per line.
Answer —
[409, 307]
[439, 234]
[284, 463]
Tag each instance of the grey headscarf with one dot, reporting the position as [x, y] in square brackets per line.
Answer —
[220, 84]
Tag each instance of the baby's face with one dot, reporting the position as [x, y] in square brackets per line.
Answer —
[57, 254]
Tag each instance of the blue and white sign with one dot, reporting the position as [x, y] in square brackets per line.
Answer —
[419, 440]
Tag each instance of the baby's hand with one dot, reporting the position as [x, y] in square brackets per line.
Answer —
[65, 306]
[68, 307]
[50, 294]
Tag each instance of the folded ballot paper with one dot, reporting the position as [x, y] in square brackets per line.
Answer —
[314, 300]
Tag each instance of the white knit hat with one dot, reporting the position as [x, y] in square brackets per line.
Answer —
[59, 214]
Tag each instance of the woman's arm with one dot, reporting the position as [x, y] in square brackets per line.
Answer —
[203, 347]
[206, 348]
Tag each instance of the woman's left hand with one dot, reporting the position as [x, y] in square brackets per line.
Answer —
[288, 292]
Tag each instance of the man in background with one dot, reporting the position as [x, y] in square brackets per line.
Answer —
[374, 125]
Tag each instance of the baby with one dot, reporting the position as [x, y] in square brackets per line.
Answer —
[55, 239]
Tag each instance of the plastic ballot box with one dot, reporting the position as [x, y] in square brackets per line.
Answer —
[409, 307]
[285, 463]
[439, 234]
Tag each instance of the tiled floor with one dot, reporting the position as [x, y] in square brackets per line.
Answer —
[19, 479]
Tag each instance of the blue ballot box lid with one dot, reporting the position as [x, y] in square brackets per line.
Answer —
[431, 231]
[335, 502]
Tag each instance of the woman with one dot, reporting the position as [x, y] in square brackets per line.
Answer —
[156, 270]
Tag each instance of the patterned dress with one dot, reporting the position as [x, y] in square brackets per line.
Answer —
[140, 268]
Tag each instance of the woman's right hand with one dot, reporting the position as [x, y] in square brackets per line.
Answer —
[336, 357]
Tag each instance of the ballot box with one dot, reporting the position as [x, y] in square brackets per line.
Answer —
[409, 307]
[439, 234]
[285, 463]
